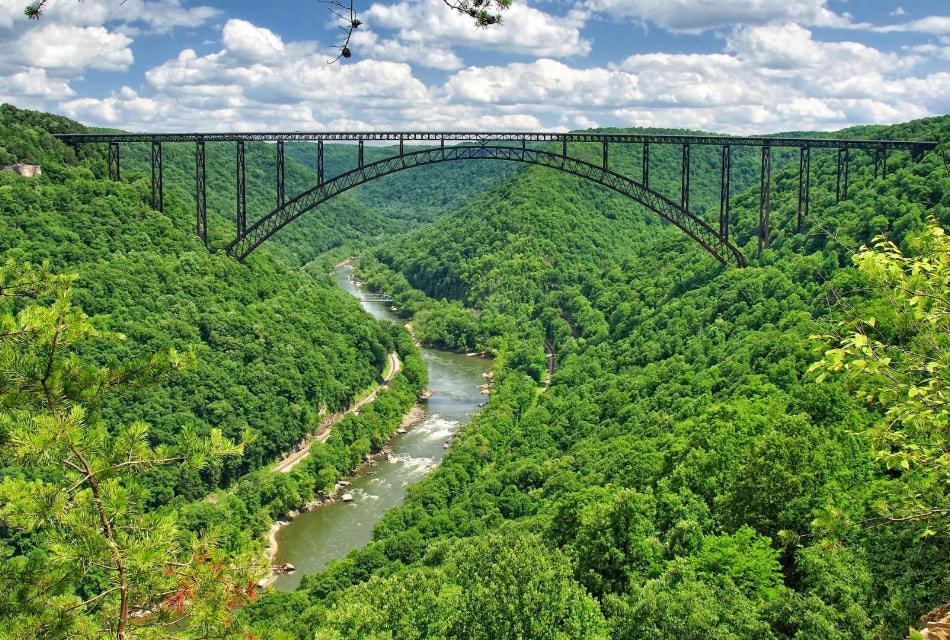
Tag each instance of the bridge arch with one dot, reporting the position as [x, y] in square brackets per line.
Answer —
[708, 238]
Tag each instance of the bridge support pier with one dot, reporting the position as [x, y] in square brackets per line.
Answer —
[158, 178]
[684, 179]
[804, 185]
[360, 158]
[114, 171]
[880, 162]
[724, 192]
[241, 188]
[319, 162]
[765, 198]
[201, 193]
[841, 182]
[646, 165]
[280, 173]
[606, 157]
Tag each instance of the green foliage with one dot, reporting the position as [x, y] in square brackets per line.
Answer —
[271, 351]
[690, 471]
[274, 347]
[900, 363]
[239, 516]
[681, 474]
[72, 489]
[500, 587]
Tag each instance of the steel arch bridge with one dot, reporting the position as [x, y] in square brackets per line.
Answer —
[512, 147]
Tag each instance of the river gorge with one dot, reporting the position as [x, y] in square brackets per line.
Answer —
[329, 532]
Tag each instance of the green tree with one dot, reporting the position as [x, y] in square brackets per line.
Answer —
[896, 353]
[492, 587]
[72, 490]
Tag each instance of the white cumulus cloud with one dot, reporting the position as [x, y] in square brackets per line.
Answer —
[931, 24]
[251, 43]
[524, 29]
[694, 16]
[759, 78]
[68, 47]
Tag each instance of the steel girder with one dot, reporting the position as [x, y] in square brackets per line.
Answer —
[916, 147]
[724, 191]
[115, 172]
[804, 186]
[701, 232]
[158, 178]
[240, 184]
[201, 193]
[765, 198]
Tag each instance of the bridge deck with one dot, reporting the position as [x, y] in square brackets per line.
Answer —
[487, 136]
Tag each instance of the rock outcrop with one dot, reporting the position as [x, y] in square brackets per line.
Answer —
[25, 170]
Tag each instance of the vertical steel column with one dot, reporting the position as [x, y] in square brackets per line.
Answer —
[646, 164]
[841, 181]
[442, 147]
[524, 148]
[114, 171]
[606, 156]
[241, 190]
[158, 177]
[401, 147]
[847, 170]
[319, 162]
[201, 193]
[684, 180]
[564, 148]
[804, 185]
[360, 159]
[280, 173]
[765, 198]
[878, 155]
[724, 192]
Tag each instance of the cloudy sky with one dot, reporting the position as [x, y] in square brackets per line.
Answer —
[736, 66]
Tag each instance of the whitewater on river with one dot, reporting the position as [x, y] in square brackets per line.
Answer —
[329, 532]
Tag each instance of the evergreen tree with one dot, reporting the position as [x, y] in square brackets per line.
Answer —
[89, 560]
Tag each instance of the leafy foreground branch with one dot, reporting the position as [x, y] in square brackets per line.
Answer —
[85, 559]
[896, 352]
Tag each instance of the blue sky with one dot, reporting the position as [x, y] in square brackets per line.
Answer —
[736, 66]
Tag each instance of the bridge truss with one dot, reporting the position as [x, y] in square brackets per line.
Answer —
[512, 147]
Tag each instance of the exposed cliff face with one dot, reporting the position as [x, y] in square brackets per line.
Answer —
[25, 170]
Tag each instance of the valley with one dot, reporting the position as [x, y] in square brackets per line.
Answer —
[701, 457]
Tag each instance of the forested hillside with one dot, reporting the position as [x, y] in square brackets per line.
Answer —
[381, 209]
[273, 346]
[660, 456]
[685, 474]
[148, 384]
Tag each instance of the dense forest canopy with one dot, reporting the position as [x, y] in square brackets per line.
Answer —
[686, 470]
[684, 462]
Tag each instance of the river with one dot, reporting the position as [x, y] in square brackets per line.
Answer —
[329, 532]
